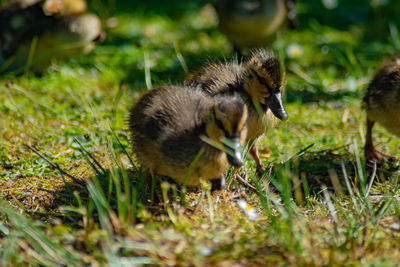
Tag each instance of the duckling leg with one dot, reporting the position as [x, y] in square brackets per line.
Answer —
[260, 166]
[370, 151]
[151, 181]
[218, 184]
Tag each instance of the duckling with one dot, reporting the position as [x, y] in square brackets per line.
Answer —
[382, 103]
[35, 32]
[172, 125]
[254, 23]
[257, 82]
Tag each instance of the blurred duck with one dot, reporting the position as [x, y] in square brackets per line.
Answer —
[382, 102]
[254, 23]
[172, 125]
[257, 82]
[32, 33]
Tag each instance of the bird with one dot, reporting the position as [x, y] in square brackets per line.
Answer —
[382, 104]
[257, 81]
[173, 127]
[33, 33]
[254, 23]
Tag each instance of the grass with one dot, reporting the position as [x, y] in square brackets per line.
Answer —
[328, 207]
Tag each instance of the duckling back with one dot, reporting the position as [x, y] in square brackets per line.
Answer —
[382, 100]
[218, 79]
[167, 126]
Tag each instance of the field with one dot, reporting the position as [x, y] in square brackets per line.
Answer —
[73, 194]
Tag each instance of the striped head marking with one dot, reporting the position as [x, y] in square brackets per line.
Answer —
[262, 81]
[230, 117]
[228, 127]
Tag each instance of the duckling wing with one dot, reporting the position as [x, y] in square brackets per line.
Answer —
[181, 149]
[181, 135]
[386, 84]
[218, 79]
[170, 119]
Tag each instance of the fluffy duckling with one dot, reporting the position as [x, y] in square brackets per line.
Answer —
[382, 102]
[171, 125]
[35, 32]
[254, 23]
[257, 82]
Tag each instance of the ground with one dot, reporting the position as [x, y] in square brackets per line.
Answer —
[321, 204]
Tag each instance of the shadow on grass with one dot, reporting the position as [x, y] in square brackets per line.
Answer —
[126, 190]
[131, 189]
[310, 96]
[314, 171]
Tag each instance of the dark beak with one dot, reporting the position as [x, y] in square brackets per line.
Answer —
[234, 151]
[274, 102]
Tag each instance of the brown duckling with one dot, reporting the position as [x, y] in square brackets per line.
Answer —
[382, 103]
[33, 33]
[257, 81]
[254, 23]
[172, 125]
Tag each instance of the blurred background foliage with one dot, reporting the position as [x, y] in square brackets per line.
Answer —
[340, 36]
[334, 13]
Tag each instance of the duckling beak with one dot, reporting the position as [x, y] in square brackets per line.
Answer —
[274, 102]
[234, 151]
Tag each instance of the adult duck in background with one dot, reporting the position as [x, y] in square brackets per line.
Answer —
[33, 33]
[254, 23]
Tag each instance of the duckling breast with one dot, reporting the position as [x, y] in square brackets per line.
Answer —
[213, 164]
[386, 111]
[258, 125]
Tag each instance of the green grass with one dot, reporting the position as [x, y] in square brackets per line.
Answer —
[321, 204]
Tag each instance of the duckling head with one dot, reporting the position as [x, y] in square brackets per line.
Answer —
[227, 126]
[262, 81]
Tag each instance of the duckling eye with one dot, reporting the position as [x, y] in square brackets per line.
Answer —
[221, 126]
[264, 82]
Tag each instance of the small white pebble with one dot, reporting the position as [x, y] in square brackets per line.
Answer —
[395, 226]
[206, 250]
[248, 210]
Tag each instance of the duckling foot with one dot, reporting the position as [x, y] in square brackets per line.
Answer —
[260, 166]
[375, 154]
[152, 183]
